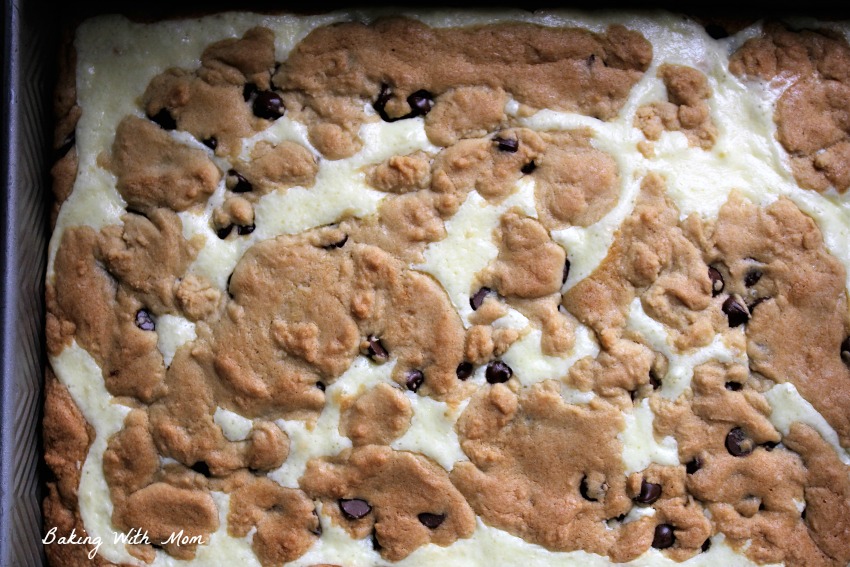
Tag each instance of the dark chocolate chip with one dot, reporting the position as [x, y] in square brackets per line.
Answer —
[582, 489]
[249, 90]
[242, 185]
[769, 445]
[381, 102]
[566, 273]
[649, 492]
[693, 465]
[506, 144]
[224, 231]
[664, 536]
[498, 372]
[464, 370]
[414, 379]
[421, 102]
[478, 298]
[201, 467]
[164, 119]
[242, 230]
[321, 386]
[211, 143]
[654, 380]
[734, 386]
[735, 311]
[738, 444]
[752, 278]
[354, 508]
[431, 521]
[268, 105]
[845, 351]
[717, 283]
[529, 167]
[144, 321]
[706, 545]
[376, 350]
[338, 244]
[716, 31]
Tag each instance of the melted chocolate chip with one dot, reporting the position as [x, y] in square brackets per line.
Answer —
[566, 273]
[498, 372]
[582, 489]
[478, 298]
[735, 311]
[144, 320]
[421, 102]
[414, 379]
[376, 350]
[664, 536]
[249, 90]
[321, 386]
[431, 521]
[734, 386]
[716, 31]
[211, 143]
[241, 185]
[224, 231]
[164, 119]
[738, 444]
[717, 283]
[464, 370]
[752, 278]
[529, 167]
[202, 467]
[694, 465]
[845, 351]
[354, 508]
[246, 229]
[268, 105]
[649, 492]
[506, 144]
[338, 244]
[706, 545]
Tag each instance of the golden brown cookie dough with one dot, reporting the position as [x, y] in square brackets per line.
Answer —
[378, 417]
[813, 114]
[410, 500]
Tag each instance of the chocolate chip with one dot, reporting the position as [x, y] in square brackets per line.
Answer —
[240, 185]
[164, 119]
[338, 244]
[716, 31]
[431, 521]
[845, 351]
[649, 492]
[663, 537]
[506, 144]
[268, 105]
[202, 467]
[242, 230]
[354, 508]
[211, 143]
[464, 370]
[566, 271]
[223, 232]
[321, 386]
[498, 372]
[734, 386]
[738, 444]
[693, 465]
[478, 298]
[421, 102]
[752, 278]
[582, 489]
[381, 102]
[529, 167]
[735, 311]
[249, 90]
[654, 380]
[706, 545]
[414, 379]
[376, 350]
[144, 321]
[717, 283]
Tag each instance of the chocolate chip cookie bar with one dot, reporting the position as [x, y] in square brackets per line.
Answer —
[463, 288]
